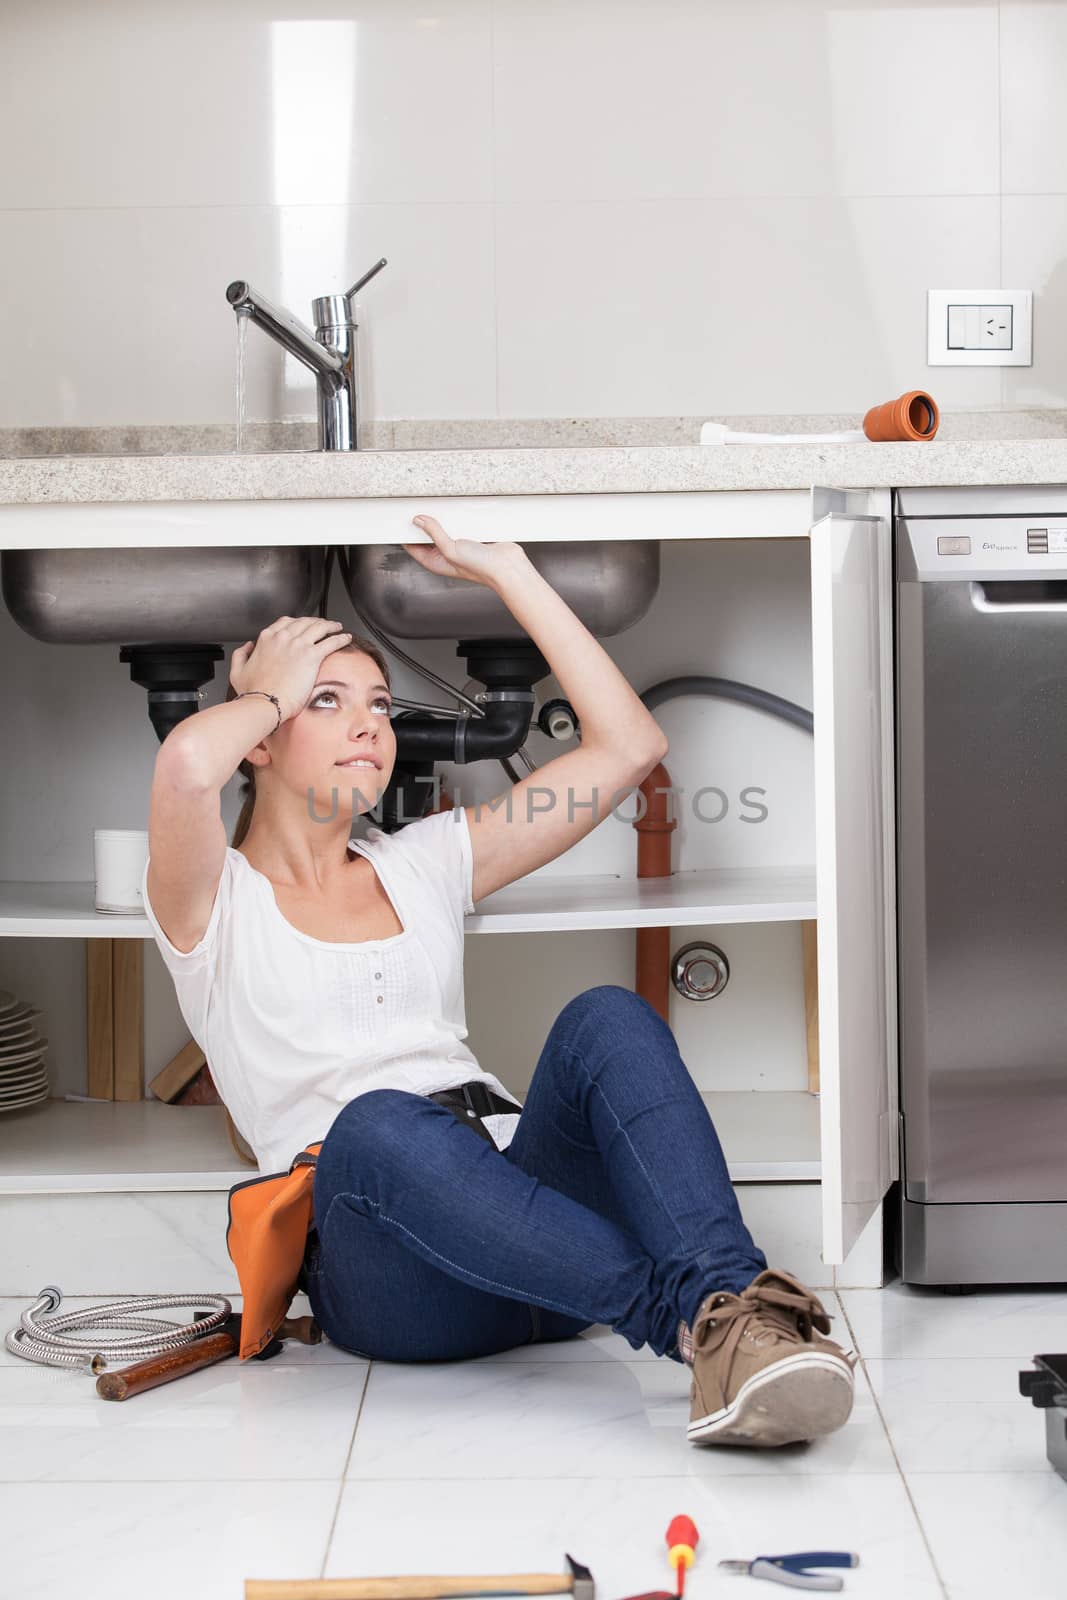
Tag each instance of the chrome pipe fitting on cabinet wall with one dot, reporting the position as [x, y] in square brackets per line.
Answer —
[700, 971]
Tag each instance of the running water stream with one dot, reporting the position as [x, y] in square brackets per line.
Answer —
[242, 323]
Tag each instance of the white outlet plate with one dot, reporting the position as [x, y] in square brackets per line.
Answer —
[1000, 321]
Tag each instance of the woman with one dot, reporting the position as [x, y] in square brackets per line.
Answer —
[327, 993]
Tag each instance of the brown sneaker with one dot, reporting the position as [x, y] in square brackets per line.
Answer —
[762, 1375]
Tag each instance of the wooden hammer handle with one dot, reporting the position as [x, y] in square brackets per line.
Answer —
[202, 1352]
[154, 1370]
[413, 1588]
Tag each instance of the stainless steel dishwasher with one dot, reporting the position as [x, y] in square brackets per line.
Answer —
[981, 706]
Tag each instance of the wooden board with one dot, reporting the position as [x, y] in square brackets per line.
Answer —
[127, 988]
[114, 1011]
[179, 1070]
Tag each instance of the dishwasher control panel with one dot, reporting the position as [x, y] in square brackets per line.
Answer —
[939, 549]
[1039, 542]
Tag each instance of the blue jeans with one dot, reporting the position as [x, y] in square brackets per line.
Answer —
[612, 1204]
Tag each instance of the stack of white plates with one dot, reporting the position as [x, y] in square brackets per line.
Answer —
[23, 1080]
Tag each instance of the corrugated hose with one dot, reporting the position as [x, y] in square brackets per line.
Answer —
[43, 1333]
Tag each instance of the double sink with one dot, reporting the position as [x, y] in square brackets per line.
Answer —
[187, 596]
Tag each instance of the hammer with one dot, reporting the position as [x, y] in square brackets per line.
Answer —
[203, 1352]
[579, 1582]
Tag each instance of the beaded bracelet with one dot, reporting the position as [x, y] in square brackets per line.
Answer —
[273, 697]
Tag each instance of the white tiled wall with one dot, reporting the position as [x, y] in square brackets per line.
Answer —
[589, 207]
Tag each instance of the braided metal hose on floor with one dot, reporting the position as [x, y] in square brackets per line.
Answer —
[43, 1336]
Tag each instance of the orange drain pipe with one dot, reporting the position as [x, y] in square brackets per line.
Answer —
[911, 416]
[652, 946]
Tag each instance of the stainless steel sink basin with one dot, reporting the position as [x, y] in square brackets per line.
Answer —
[226, 594]
[144, 596]
[608, 584]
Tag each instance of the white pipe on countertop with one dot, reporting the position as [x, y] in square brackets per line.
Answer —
[719, 433]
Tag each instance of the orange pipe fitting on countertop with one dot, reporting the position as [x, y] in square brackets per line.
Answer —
[913, 416]
[652, 953]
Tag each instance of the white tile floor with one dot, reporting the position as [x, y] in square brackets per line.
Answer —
[318, 1464]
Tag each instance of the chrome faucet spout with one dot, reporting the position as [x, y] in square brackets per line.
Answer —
[288, 330]
[329, 351]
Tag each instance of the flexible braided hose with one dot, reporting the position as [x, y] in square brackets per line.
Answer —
[41, 1336]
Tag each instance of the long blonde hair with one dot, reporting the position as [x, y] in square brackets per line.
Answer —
[248, 805]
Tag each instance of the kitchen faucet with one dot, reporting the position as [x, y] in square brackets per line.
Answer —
[330, 351]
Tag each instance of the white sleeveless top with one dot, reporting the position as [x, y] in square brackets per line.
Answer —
[294, 1027]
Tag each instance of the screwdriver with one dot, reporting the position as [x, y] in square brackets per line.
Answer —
[682, 1539]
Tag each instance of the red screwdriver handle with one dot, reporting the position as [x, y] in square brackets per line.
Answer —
[682, 1537]
[683, 1530]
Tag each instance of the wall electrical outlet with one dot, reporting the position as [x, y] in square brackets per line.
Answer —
[979, 328]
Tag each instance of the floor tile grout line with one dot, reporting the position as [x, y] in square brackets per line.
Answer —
[731, 1476]
[893, 1451]
[344, 1472]
[708, 1479]
[158, 1483]
[703, 1478]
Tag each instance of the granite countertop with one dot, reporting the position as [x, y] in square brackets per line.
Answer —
[534, 469]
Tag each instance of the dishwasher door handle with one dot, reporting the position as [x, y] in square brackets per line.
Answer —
[1019, 594]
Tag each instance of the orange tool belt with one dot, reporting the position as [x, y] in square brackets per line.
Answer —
[271, 1216]
[267, 1230]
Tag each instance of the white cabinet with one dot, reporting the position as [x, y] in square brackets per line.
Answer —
[756, 588]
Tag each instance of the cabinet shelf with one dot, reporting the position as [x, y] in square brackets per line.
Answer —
[145, 1146]
[603, 900]
[533, 904]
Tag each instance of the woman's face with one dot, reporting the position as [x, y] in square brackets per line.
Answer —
[345, 721]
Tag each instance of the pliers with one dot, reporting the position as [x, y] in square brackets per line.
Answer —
[794, 1569]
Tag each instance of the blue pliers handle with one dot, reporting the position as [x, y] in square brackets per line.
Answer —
[795, 1569]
